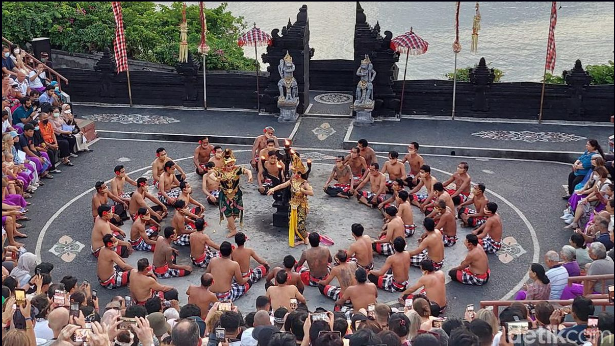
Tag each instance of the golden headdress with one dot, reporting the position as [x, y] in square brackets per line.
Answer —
[229, 156]
[366, 60]
[288, 58]
[296, 165]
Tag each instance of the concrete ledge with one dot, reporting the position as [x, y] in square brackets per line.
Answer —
[557, 156]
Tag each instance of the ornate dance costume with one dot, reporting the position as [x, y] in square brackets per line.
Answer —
[299, 209]
[230, 200]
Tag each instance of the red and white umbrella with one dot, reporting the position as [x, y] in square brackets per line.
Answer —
[253, 38]
[411, 44]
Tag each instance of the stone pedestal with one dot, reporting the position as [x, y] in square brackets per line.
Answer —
[288, 110]
[364, 113]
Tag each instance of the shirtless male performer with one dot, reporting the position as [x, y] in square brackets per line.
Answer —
[263, 154]
[393, 228]
[430, 246]
[378, 187]
[474, 217]
[183, 223]
[462, 183]
[218, 158]
[137, 201]
[474, 270]
[158, 166]
[360, 295]
[270, 173]
[201, 156]
[404, 210]
[143, 285]
[433, 284]
[415, 161]
[211, 186]
[165, 257]
[261, 142]
[102, 196]
[357, 164]
[394, 188]
[342, 173]
[439, 194]
[446, 224]
[229, 285]
[201, 296]
[427, 180]
[490, 233]
[344, 273]
[243, 254]
[117, 183]
[399, 263]
[294, 278]
[201, 245]
[394, 168]
[281, 293]
[318, 259]
[108, 259]
[168, 185]
[361, 251]
[368, 153]
[186, 196]
[140, 236]
[102, 227]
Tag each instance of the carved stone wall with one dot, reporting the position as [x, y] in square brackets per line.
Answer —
[294, 38]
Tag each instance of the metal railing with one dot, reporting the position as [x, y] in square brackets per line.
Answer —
[34, 61]
[602, 279]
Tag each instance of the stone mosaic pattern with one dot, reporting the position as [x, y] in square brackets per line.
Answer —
[132, 119]
[529, 136]
[333, 98]
[323, 131]
[67, 248]
[510, 250]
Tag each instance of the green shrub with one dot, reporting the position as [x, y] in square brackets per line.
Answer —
[601, 74]
[463, 74]
[152, 31]
[553, 79]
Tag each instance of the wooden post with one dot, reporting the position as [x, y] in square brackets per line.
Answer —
[403, 85]
[454, 88]
[129, 90]
[204, 83]
[542, 94]
[258, 100]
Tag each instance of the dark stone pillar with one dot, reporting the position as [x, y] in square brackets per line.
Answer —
[295, 39]
[367, 40]
[577, 80]
[189, 72]
[481, 77]
[106, 67]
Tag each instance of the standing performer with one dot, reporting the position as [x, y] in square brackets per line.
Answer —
[299, 190]
[230, 200]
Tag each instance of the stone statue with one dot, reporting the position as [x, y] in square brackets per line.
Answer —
[365, 88]
[287, 81]
[289, 90]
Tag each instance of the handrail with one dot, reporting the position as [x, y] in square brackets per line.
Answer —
[602, 278]
[59, 77]
[496, 304]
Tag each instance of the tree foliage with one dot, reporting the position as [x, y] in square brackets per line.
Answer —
[152, 31]
[463, 74]
[601, 74]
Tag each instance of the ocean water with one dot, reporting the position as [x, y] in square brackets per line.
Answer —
[513, 35]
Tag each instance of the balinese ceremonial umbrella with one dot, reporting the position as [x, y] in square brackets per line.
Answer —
[411, 44]
[255, 37]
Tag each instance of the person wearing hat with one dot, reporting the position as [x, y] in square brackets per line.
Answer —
[159, 324]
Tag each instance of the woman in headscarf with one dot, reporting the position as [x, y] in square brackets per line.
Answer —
[25, 265]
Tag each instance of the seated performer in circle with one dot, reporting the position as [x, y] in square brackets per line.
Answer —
[474, 270]
[490, 233]
[394, 274]
[211, 186]
[142, 238]
[430, 246]
[201, 245]
[344, 273]
[393, 228]
[108, 260]
[165, 257]
[378, 187]
[474, 217]
[342, 173]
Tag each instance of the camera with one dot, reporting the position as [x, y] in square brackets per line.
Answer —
[224, 306]
[126, 323]
[220, 333]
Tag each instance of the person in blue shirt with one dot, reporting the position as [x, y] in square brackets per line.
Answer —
[48, 96]
[7, 63]
[25, 113]
[583, 164]
[582, 308]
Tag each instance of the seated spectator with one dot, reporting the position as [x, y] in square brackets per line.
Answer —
[185, 333]
[365, 337]
[159, 325]
[428, 339]
[69, 118]
[582, 308]
[582, 165]
[489, 317]
[558, 275]
[400, 325]
[539, 289]
[23, 86]
[544, 310]
[602, 265]
[49, 96]
[23, 272]
[52, 141]
[415, 323]
[63, 131]
[568, 255]
[459, 337]
[483, 331]
[8, 66]
[582, 256]
[25, 113]
[282, 339]
[38, 78]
